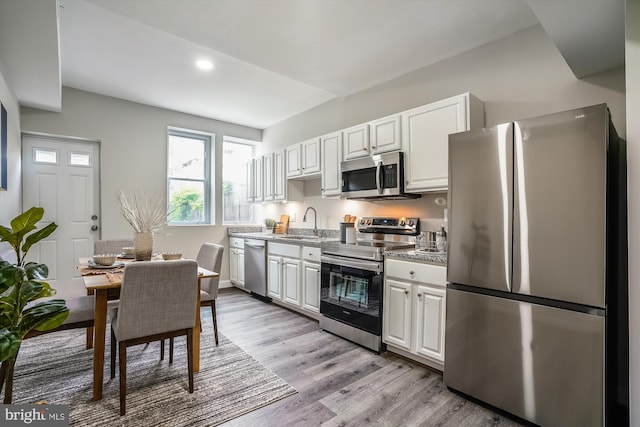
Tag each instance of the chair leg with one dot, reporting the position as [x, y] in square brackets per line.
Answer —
[123, 378]
[114, 345]
[190, 357]
[89, 337]
[215, 320]
[171, 350]
[161, 349]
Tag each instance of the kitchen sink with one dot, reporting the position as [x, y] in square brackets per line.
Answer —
[298, 237]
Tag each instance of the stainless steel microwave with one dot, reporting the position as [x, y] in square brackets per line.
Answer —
[380, 176]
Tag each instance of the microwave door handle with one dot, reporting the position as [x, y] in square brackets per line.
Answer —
[378, 177]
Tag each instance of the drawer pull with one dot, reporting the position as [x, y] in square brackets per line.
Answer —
[412, 272]
[406, 292]
[419, 295]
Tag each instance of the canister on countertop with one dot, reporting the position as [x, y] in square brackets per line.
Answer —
[343, 231]
[441, 240]
[350, 234]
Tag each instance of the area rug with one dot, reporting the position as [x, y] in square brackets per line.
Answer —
[57, 369]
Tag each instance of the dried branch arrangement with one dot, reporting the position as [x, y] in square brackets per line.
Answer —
[144, 215]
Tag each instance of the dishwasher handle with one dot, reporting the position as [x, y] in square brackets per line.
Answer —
[255, 243]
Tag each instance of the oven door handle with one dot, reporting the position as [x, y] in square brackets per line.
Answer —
[353, 263]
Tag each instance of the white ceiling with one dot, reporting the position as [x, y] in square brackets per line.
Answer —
[273, 58]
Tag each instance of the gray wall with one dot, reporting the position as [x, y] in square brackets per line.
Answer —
[11, 200]
[133, 140]
[521, 76]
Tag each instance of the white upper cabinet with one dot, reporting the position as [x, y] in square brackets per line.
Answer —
[331, 158]
[279, 176]
[356, 141]
[259, 179]
[294, 161]
[311, 163]
[425, 139]
[385, 134]
[268, 177]
[303, 159]
[251, 180]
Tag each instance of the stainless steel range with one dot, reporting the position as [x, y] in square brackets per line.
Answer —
[352, 278]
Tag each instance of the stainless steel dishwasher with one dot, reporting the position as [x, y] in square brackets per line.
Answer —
[255, 266]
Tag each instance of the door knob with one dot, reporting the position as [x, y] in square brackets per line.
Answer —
[94, 228]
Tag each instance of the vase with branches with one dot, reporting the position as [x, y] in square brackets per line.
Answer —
[145, 216]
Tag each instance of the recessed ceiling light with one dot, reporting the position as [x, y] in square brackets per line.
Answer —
[204, 64]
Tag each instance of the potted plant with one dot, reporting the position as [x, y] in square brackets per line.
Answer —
[20, 284]
[270, 224]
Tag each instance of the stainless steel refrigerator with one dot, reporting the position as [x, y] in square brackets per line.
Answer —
[537, 269]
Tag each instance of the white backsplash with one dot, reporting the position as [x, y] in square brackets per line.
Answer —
[429, 208]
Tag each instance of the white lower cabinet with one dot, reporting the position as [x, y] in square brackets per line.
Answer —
[311, 279]
[311, 286]
[236, 261]
[415, 310]
[291, 281]
[293, 277]
[274, 277]
[429, 306]
[397, 313]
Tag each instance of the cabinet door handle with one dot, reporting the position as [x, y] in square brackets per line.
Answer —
[373, 146]
[406, 292]
[412, 272]
[419, 295]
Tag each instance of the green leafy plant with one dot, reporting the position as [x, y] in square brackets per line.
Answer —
[270, 223]
[20, 284]
[187, 205]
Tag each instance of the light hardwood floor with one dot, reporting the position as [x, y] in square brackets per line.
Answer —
[338, 383]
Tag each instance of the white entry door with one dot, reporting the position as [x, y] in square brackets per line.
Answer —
[62, 176]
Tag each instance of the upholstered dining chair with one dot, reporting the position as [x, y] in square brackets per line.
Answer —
[113, 246]
[210, 257]
[80, 315]
[157, 301]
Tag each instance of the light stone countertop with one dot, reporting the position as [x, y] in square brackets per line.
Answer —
[296, 239]
[412, 255]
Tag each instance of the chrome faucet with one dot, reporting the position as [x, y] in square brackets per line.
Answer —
[315, 219]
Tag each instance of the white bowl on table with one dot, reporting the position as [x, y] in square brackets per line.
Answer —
[104, 259]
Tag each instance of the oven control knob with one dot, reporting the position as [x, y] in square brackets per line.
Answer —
[361, 221]
[402, 222]
[369, 222]
[411, 224]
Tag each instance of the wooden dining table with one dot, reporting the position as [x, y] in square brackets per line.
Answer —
[100, 286]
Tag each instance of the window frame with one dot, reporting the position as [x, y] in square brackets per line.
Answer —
[208, 140]
[253, 145]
